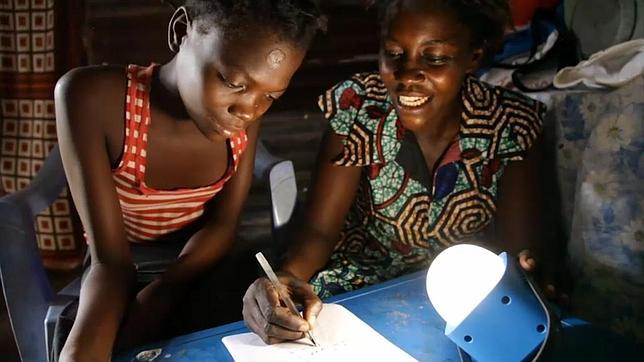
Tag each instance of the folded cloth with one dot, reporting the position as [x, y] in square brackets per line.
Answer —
[608, 68]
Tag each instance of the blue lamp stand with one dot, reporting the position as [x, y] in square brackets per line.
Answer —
[511, 324]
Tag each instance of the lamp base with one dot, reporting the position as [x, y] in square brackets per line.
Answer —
[550, 353]
[510, 324]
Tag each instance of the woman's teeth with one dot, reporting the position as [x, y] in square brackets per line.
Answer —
[412, 101]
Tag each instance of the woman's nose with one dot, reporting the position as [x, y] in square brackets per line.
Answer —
[410, 72]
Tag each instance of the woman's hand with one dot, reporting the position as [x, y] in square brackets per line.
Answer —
[552, 284]
[267, 316]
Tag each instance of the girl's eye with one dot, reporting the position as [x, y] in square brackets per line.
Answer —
[394, 54]
[271, 98]
[230, 84]
[235, 86]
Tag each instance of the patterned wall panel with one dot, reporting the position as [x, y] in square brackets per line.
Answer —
[33, 33]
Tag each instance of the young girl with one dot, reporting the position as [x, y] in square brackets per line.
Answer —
[417, 157]
[165, 150]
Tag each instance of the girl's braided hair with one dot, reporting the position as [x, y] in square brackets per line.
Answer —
[295, 21]
[486, 20]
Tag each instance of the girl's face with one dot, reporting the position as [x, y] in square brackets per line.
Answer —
[424, 57]
[228, 82]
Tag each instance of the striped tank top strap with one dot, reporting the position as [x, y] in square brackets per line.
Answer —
[137, 119]
[238, 144]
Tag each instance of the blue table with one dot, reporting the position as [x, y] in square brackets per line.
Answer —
[400, 310]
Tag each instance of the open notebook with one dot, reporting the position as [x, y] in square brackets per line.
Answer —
[340, 335]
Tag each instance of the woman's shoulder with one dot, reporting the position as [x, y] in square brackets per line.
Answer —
[359, 109]
[371, 84]
[353, 93]
[478, 92]
[499, 121]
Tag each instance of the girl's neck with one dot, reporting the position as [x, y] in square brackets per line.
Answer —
[165, 94]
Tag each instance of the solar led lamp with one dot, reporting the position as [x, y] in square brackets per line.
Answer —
[491, 309]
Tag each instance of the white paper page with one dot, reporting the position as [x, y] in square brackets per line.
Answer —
[340, 334]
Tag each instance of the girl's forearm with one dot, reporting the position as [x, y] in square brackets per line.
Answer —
[103, 300]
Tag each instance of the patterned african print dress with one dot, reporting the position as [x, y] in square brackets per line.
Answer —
[397, 224]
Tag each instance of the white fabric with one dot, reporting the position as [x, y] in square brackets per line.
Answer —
[609, 68]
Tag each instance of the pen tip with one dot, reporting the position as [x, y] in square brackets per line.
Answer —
[313, 340]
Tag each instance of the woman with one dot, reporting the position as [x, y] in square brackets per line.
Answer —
[417, 157]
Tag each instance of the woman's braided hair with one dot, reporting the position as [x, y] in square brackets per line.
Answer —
[295, 21]
[486, 20]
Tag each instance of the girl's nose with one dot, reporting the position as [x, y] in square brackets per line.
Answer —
[245, 114]
[245, 110]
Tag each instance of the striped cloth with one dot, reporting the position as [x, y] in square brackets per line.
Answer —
[148, 213]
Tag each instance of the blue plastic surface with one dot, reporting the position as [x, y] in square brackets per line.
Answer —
[400, 310]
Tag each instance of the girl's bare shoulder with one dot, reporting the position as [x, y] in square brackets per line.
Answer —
[96, 92]
[92, 83]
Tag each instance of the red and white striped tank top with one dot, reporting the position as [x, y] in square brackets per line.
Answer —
[149, 213]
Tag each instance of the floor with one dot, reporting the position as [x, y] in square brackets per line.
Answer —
[287, 134]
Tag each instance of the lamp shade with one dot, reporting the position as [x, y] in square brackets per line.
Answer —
[460, 278]
[491, 310]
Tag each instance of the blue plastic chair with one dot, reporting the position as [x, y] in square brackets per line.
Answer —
[32, 305]
[29, 297]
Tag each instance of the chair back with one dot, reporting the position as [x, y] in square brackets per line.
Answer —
[25, 284]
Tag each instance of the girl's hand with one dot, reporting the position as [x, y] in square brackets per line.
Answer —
[552, 289]
[267, 316]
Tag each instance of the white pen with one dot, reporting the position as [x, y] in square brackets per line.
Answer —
[280, 289]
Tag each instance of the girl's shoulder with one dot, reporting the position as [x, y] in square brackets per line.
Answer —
[92, 91]
[101, 79]
[94, 97]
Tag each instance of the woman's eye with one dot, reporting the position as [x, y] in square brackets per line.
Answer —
[436, 60]
[271, 98]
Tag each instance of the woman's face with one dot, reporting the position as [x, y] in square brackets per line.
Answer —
[228, 81]
[424, 57]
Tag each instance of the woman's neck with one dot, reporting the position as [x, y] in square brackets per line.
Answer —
[443, 128]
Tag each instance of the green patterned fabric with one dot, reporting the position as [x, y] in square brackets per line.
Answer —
[396, 224]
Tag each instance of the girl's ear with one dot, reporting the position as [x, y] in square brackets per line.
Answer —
[178, 28]
[476, 60]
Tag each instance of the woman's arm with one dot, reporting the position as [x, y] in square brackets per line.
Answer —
[85, 100]
[205, 248]
[520, 219]
[332, 193]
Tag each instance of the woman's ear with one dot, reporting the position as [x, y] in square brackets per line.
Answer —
[476, 60]
[178, 28]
